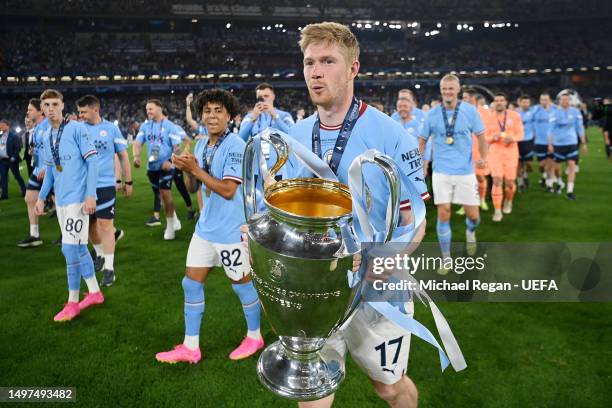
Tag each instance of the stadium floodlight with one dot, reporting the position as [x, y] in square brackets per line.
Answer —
[508, 71]
[18, 129]
[258, 75]
[485, 72]
[228, 25]
[500, 71]
[427, 34]
[570, 69]
[154, 76]
[436, 73]
[557, 69]
[439, 25]
[385, 24]
[44, 78]
[516, 25]
[508, 24]
[208, 76]
[471, 28]
[609, 67]
[584, 69]
[459, 27]
[222, 76]
[462, 72]
[32, 79]
[190, 76]
[65, 78]
[244, 75]
[12, 79]
[140, 77]
[486, 24]
[359, 25]
[368, 25]
[275, 75]
[195, 20]
[380, 73]
[465, 26]
[417, 86]
[533, 71]
[408, 72]
[377, 23]
[105, 78]
[117, 77]
[547, 70]
[596, 68]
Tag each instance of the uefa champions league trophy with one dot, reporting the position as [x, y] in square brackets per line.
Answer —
[301, 252]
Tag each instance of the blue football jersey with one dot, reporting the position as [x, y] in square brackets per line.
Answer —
[107, 140]
[201, 130]
[566, 126]
[220, 219]
[283, 122]
[455, 158]
[373, 130]
[37, 140]
[541, 118]
[160, 137]
[528, 123]
[75, 147]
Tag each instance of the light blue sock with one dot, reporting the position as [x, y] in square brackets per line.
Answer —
[86, 263]
[194, 306]
[250, 304]
[471, 225]
[71, 253]
[444, 237]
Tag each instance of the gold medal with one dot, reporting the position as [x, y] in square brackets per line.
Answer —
[59, 167]
[503, 135]
[450, 140]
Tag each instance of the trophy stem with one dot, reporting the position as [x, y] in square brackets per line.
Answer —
[299, 376]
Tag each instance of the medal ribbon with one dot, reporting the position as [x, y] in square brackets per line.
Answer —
[345, 132]
[450, 126]
[55, 146]
[502, 125]
[208, 160]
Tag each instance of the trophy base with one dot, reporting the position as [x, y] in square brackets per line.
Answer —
[305, 378]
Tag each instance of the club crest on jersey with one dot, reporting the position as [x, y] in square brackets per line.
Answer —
[328, 156]
[103, 133]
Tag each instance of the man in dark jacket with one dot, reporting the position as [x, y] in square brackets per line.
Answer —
[10, 145]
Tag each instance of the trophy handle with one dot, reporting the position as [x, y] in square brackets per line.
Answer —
[252, 151]
[392, 173]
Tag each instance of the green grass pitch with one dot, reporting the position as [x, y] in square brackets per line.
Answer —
[522, 354]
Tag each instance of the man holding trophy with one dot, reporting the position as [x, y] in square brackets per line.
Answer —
[341, 130]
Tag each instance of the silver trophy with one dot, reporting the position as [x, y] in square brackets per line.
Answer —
[301, 252]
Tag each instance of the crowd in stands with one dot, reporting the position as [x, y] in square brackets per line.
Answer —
[395, 9]
[247, 48]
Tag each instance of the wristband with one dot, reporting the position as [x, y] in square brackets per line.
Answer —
[129, 183]
[118, 181]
